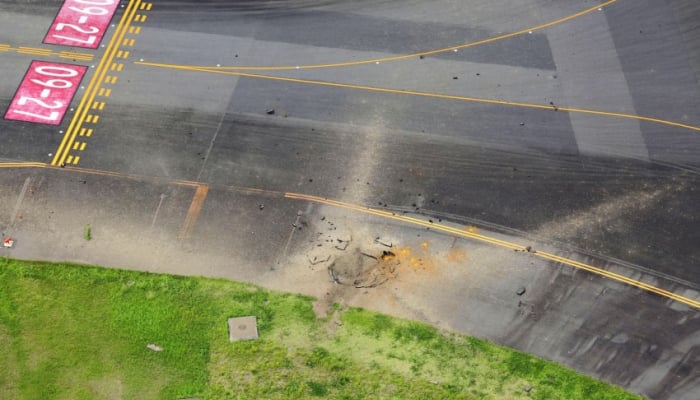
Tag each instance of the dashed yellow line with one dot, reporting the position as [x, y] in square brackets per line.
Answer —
[88, 100]
[31, 50]
[427, 94]
[47, 52]
[429, 52]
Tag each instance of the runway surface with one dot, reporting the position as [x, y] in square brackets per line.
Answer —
[206, 130]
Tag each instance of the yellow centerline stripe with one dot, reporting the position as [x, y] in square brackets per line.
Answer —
[89, 96]
[501, 243]
[389, 215]
[22, 164]
[425, 53]
[425, 94]
[46, 52]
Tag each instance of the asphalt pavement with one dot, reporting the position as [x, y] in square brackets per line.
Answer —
[565, 125]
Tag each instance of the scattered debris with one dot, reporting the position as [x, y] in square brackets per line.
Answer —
[368, 255]
[520, 291]
[270, 111]
[261, 206]
[333, 276]
[382, 242]
[527, 388]
[8, 242]
[342, 244]
[154, 347]
[317, 260]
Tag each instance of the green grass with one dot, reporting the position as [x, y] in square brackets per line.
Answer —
[78, 332]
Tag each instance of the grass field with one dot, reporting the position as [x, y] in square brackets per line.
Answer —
[76, 332]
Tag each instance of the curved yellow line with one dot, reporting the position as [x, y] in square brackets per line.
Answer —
[502, 243]
[426, 94]
[398, 217]
[424, 53]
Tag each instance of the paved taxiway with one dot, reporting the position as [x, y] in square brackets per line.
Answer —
[582, 135]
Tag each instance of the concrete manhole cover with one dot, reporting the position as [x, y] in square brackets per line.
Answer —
[242, 328]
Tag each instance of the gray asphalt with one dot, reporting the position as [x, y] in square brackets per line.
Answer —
[610, 191]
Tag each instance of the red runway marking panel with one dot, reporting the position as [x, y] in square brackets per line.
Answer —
[45, 92]
[81, 23]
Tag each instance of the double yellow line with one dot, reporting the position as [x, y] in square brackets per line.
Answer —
[47, 52]
[88, 98]
[500, 243]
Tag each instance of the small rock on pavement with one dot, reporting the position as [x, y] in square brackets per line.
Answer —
[154, 347]
[520, 291]
[270, 111]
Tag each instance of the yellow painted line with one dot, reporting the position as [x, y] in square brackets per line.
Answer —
[110, 79]
[193, 213]
[107, 93]
[143, 6]
[429, 52]
[46, 52]
[69, 160]
[88, 118]
[123, 54]
[101, 92]
[22, 165]
[76, 159]
[149, 6]
[82, 146]
[69, 54]
[120, 67]
[89, 95]
[428, 94]
[82, 132]
[76, 145]
[32, 50]
[501, 243]
[202, 190]
[89, 132]
[95, 118]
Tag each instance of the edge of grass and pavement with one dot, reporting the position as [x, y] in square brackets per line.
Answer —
[81, 332]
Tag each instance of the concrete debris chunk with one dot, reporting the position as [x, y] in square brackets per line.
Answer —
[154, 347]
